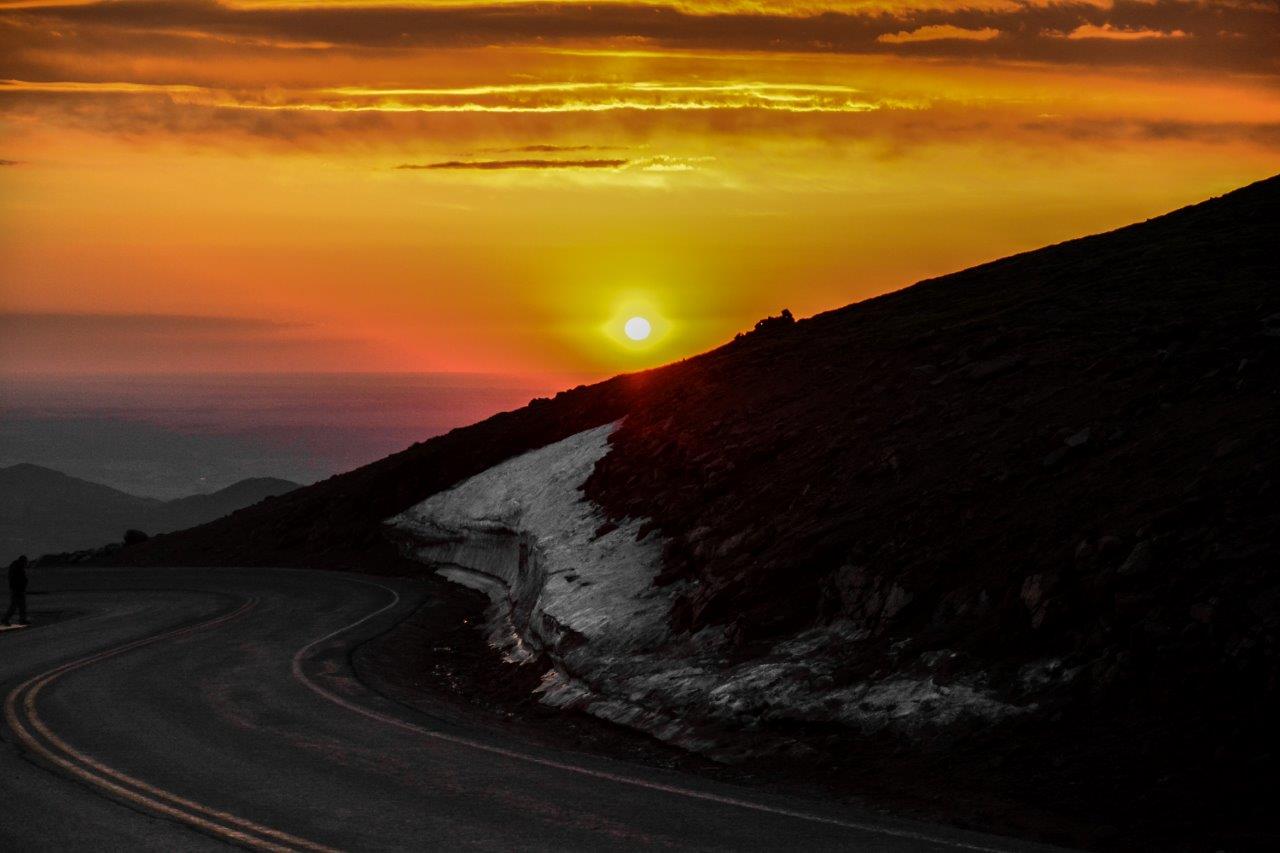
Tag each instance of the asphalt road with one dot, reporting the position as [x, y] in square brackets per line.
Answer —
[196, 709]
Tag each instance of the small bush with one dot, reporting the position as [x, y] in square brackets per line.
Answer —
[135, 537]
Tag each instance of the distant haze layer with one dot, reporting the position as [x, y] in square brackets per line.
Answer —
[171, 436]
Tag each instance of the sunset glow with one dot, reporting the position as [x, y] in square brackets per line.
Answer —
[430, 186]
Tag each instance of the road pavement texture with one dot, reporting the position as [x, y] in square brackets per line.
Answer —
[191, 709]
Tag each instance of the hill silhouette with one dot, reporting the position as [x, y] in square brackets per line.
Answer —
[1065, 455]
[43, 511]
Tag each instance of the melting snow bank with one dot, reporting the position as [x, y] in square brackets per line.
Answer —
[563, 583]
[521, 532]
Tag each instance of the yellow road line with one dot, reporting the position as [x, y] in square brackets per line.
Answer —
[23, 718]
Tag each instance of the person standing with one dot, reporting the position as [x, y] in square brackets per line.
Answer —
[17, 591]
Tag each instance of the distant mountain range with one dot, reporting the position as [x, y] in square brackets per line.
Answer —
[45, 511]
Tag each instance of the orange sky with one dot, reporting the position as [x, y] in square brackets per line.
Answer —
[190, 185]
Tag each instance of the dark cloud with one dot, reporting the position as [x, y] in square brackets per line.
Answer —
[142, 116]
[549, 149]
[137, 324]
[1236, 36]
[95, 343]
[1079, 129]
[496, 165]
[9, 162]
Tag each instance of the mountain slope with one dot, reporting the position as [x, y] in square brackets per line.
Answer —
[45, 511]
[981, 427]
[196, 509]
[1054, 475]
[42, 510]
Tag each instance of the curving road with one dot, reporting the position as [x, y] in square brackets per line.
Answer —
[185, 709]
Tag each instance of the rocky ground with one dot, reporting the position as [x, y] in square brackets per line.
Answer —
[1053, 476]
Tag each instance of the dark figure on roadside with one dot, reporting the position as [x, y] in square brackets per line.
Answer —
[17, 591]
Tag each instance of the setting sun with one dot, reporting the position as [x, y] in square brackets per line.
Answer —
[637, 329]
[643, 325]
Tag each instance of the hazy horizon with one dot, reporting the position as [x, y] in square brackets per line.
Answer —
[174, 435]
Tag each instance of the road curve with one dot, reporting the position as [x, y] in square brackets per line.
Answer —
[195, 709]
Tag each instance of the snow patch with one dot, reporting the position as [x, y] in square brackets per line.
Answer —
[523, 533]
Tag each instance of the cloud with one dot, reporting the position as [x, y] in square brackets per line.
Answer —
[1027, 29]
[1265, 134]
[1107, 31]
[9, 163]
[517, 98]
[496, 165]
[546, 77]
[548, 149]
[72, 323]
[671, 164]
[383, 139]
[68, 342]
[938, 32]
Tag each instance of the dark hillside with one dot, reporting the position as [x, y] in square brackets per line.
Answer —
[1044, 413]
[43, 511]
[179, 512]
[1073, 453]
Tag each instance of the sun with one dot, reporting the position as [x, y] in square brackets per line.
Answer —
[638, 328]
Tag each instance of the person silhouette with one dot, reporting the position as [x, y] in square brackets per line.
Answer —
[17, 591]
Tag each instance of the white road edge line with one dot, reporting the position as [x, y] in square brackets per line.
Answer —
[906, 834]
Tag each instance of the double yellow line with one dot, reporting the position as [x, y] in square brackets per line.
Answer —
[35, 736]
